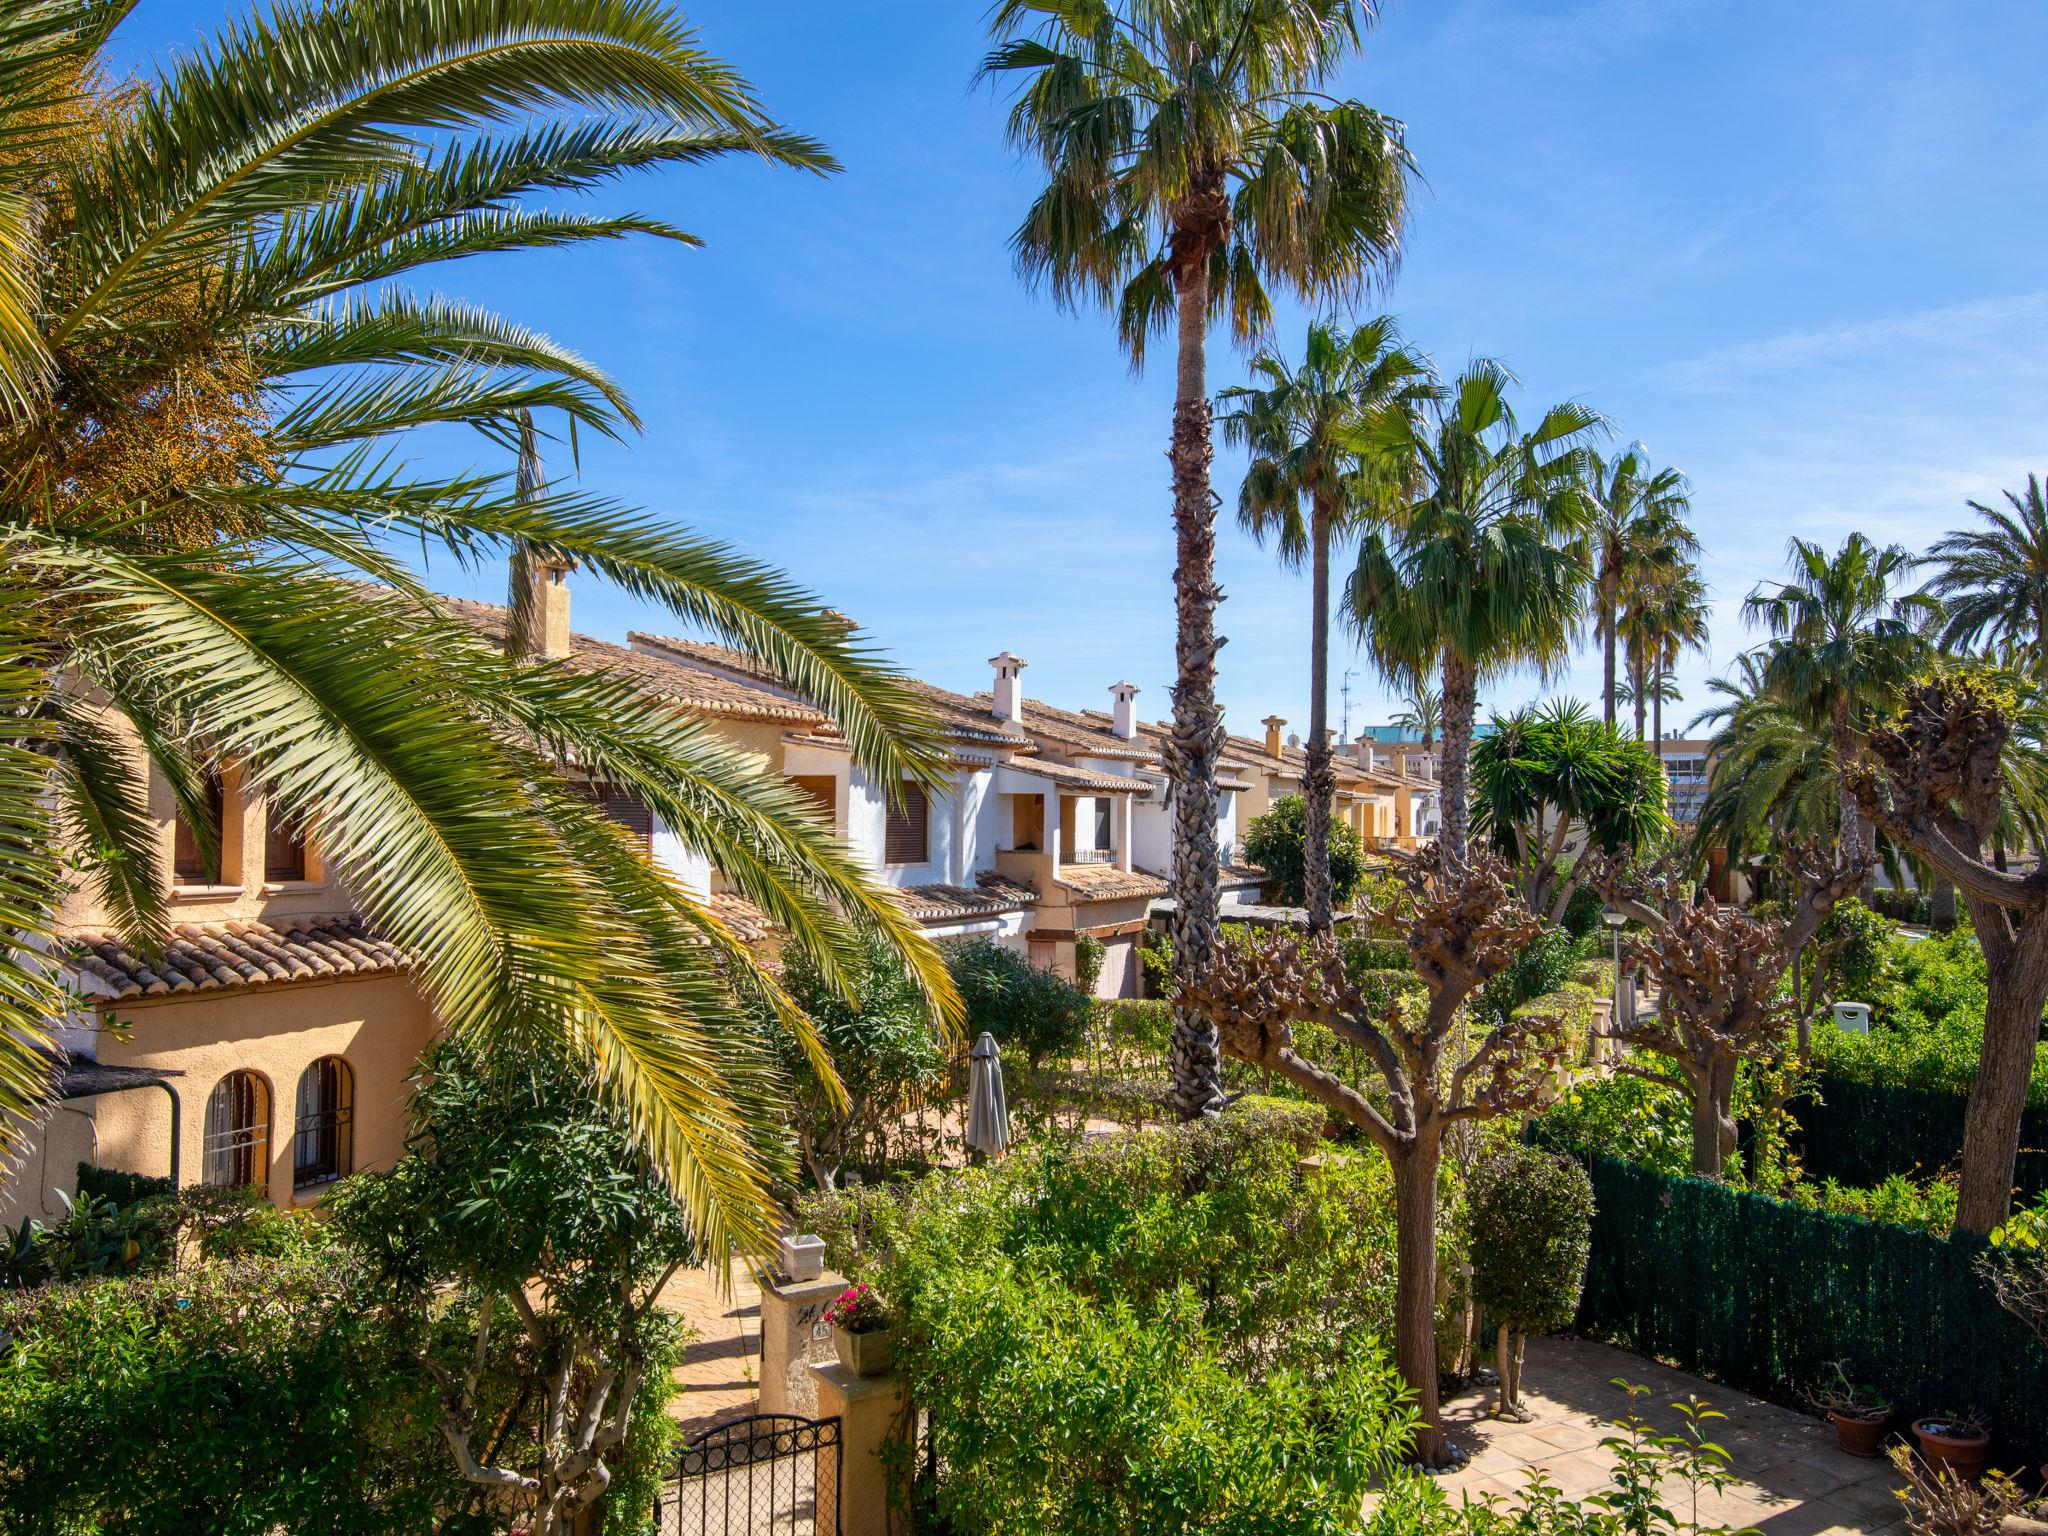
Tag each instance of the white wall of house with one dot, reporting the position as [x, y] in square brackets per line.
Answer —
[684, 864]
[960, 836]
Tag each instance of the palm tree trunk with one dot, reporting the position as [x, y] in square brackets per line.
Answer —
[1610, 603]
[1461, 702]
[1657, 717]
[1855, 833]
[1637, 675]
[2016, 969]
[1319, 778]
[1197, 738]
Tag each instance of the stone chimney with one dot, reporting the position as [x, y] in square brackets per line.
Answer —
[1361, 752]
[1274, 725]
[1123, 714]
[540, 583]
[1009, 690]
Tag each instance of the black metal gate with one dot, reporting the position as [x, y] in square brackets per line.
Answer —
[771, 1474]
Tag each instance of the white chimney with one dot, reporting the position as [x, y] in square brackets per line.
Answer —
[1009, 690]
[1123, 715]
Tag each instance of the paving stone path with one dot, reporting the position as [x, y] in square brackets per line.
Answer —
[1791, 1479]
[721, 1372]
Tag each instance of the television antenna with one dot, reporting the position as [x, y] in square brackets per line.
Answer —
[1344, 730]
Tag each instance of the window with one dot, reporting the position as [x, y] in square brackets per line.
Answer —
[909, 838]
[1102, 837]
[625, 807]
[821, 789]
[323, 1142]
[284, 847]
[236, 1147]
[190, 863]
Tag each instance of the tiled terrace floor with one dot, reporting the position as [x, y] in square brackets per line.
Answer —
[1791, 1478]
[721, 1374]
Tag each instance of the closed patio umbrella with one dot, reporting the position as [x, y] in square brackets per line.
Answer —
[988, 1117]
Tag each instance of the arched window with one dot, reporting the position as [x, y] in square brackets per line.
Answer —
[237, 1132]
[323, 1145]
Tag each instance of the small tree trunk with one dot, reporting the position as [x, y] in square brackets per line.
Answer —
[1197, 736]
[1415, 1170]
[1461, 702]
[1319, 780]
[1505, 1365]
[1854, 831]
[1610, 604]
[2017, 968]
[1713, 1118]
[1941, 906]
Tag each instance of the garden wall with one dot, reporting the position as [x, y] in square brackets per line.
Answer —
[1862, 1133]
[1762, 1295]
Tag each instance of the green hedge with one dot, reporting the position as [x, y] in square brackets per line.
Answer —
[1862, 1133]
[1762, 1295]
[119, 1187]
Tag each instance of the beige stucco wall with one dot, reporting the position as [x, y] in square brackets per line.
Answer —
[378, 1025]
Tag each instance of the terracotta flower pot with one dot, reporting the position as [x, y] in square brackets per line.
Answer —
[1944, 1443]
[1859, 1437]
[865, 1354]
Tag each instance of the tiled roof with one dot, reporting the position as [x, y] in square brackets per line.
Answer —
[1231, 875]
[750, 925]
[1066, 730]
[1105, 882]
[205, 957]
[990, 895]
[695, 687]
[1067, 777]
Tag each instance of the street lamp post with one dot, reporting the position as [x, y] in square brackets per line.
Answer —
[1616, 921]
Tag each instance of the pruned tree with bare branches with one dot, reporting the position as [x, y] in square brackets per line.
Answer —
[1718, 973]
[1932, 780]
[1467, 926]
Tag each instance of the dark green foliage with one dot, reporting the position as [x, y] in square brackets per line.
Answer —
[1582, 914]
[1764, 1295]
[1377, 954]
[1005, 994]
[1899, 905]
[231, 1399]
[1542, 966]
[1088, 957]
[1155, 963]
[1531, 1214]
[1863, 1133]
[1169, 1331]
[1276, 843]
[94, 1237]
[882, 1044]
[116, 1186]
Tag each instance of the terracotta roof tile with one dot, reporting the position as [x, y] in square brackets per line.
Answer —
[697, 688]
[1068, 777]
[750, 925]
[205, 957]
[1105, 882]
[990, 895]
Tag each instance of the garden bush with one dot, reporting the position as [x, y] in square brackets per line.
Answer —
[1530, 1213]
[1039, 1013]
[118, 1187]
[1173, 1330]
[1277, 843]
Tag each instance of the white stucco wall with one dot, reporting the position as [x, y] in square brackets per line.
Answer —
[962, 832]
[684, 864]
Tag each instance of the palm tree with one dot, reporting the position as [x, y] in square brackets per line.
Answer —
[1847, 644]
[1992, 581]
[1774, 776]
[196, 477]
[1636, 511]
[1422, 713]
[1191, 158]
[1670, 614]
[1483, 568]
[1306, 429]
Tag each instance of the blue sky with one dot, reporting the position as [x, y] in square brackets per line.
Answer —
[1796, 249]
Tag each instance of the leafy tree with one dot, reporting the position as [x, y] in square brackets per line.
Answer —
[1482, 569]
[1278, 843]
[1466, 928]
[1550, 778]
[1992, 581]
[525, 1203]
[1040, 1013]
[880, 1043]
[1191, 159]
[1531, 1214]
[1307, 429]
[1637, 509]
[1936, 782]
[1847, 642]
[197, 475]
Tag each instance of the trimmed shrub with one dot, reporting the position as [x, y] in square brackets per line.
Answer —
[1089, 954]
[1531, 1214]
[117, 1187]
[1033, 1010]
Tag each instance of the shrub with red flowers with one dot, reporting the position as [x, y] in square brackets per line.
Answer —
[858, 1309]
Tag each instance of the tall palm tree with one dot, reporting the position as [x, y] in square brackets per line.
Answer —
[197, 474]
[1992, 581]
[1306, 428]
[1483, 567]
[1637, 510]
[1668, 616]
[1774, 775]
[1191, 159]
[1847, 644]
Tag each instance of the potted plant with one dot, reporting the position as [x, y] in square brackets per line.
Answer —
[1957, 1441]
[860, 1330]
[1857, 1412]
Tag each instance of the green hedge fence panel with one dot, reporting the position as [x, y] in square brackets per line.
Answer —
[1862, 1133]
[1762, 1295]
